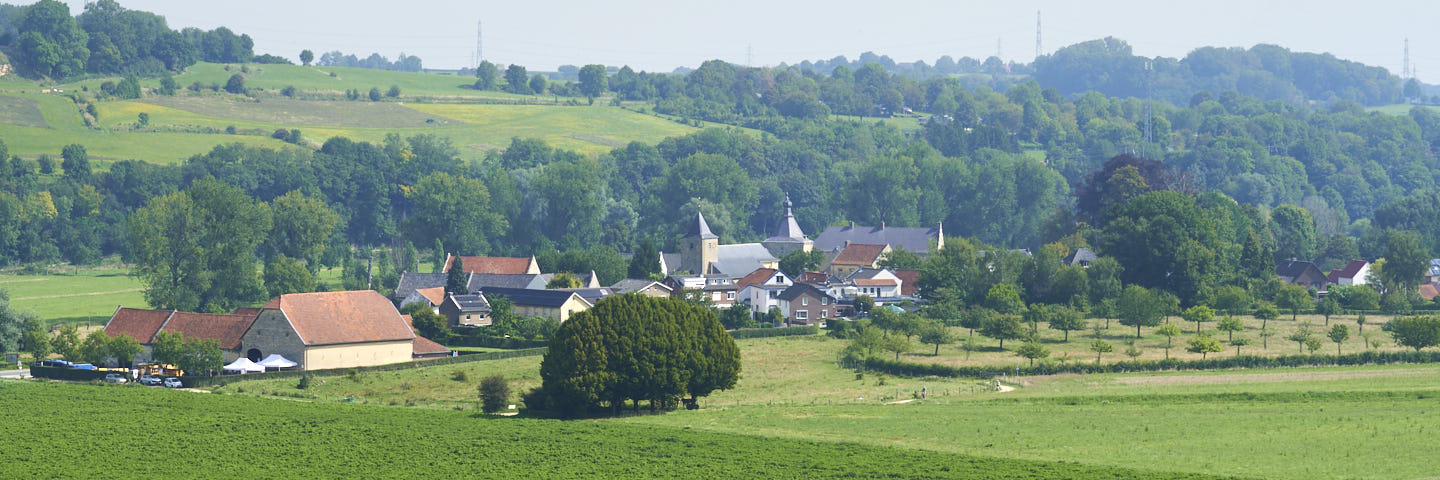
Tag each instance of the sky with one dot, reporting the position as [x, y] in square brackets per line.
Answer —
[659, 35]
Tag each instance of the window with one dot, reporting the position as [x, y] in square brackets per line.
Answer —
[805, 301]
[824, 300]
[824, 314]
[802, 314]
[729, 295]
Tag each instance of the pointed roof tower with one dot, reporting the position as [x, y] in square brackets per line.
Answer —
[699, 229]
[788, 228]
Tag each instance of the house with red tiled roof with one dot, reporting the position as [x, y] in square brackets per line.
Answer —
[1428, 292]
[856, 256]
[331, 330]
[910, 281]
[1352, 273]
[495, 265]
[144, 325]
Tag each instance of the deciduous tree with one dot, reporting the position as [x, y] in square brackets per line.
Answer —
[1415, 332]
[1203, 345]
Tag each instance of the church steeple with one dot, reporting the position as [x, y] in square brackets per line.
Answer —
[788, 236]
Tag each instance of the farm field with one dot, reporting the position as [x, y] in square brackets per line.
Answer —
[238, 436]
[84, 295]
[316, 79]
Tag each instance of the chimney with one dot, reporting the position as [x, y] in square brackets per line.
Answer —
[852, 224]
[882, 224]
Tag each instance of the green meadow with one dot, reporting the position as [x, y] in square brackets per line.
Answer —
[83, 295]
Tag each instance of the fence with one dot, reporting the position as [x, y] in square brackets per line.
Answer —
[1244, 361]
[198, 381]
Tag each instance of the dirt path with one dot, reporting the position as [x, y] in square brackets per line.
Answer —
[900, 402]
[1005, 388]
[88, 294]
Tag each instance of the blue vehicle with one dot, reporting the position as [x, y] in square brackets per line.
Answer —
[55, 363]
[83, 366]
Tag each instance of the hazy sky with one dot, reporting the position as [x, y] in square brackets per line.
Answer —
[659, 35]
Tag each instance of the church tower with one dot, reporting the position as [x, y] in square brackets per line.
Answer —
[788, 237]
[699, 248]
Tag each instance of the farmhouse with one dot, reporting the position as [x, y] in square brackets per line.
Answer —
[501, 265]
[1304, 274]
[1353, 273]
[857, 256]
[331, 330]
[144, 325]
[471, 310]
[555, 304]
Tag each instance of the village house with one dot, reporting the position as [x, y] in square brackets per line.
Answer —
[856, 256]
[1353, 273]
[1304, 274]
[468, 310]
[761, 289]
[720, 289]
[559, 305]
[330, 330]
[807, 304]
[430, 297]
[500, 265]
[920, 240]
[644, 287]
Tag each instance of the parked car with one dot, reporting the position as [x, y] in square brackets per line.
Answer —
[55, 363]
[173, 382]
[115, 378]
[150, 380]
[82, 366]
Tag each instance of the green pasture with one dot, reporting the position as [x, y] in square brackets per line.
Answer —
[76, 296]
[264, 438]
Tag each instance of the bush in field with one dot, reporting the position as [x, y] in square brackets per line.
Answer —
[494, 393]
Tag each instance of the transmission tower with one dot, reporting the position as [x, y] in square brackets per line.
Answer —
[1405, 70]
[1039, 48]
[479, 51]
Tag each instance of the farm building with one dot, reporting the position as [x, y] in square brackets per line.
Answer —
[143, 325]
[331, 330]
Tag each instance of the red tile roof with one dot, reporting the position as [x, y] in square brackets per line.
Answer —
[500, 265]
[1428, 292]
[142, 325]
[435, 295]
[225, 328]
[859, 254]
[251, 311]
[425, 346]
[760, 275]
[909, 281]
[327, 318]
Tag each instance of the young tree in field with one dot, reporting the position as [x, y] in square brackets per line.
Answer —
[1004, 298]
[1299, 336]
[1313, 344]
[1203, 345]
[935, 333]
[972, 319]
[1292, 297]
[1360, 322]
[67, 342]
[494, 393]
[1169, 331]
[1168, 302]
[1237, 343]
[374, 94]
[1100, 347]
[1004, 327]
[1265, 335]
[306, 56]
[969, 345]
[455, 281]
[1032, 350]
[1036, 313]
[1338, 334]
[1132, 350]
[1230, 324]
[1139, 307]
[1327, 306]
[1198, 314]
[1415, 332]
[1066, 319]
[1266, 312]
[1106, 309]
[897, 345]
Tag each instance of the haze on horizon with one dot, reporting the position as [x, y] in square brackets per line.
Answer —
[658, 35]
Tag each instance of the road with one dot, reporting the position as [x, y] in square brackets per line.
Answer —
[14, 373]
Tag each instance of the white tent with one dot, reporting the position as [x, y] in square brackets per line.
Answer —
[244, 365]
[276, 361]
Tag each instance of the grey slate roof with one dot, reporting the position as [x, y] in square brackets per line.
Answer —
[915, 239]
[1082, 256]
[634, 285]
[412, 281]
[796, 290]
[788, 230]
[591, 295]
[530, 297]
[742, 258]
[481, 281]
[470, 303]
[699, 228]
[1293, 268]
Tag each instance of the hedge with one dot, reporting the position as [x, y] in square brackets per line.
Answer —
[908, 369]
[492, 342]
[66, 373]
[202, 381]
[774, 332]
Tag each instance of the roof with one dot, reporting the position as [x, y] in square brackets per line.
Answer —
[1293, 268]
[470, 303]
[225, 328]
[859, 254]
[481, 281]
[1081, 256]
[699, 228]
[326, 318]
[142, 325]
[788, 230]
[760, 275]
[534, 298]
[796, 290]
[635, 284]
[909, 281]
[251, 311]
[412, 281]
[504, 265]
[1428, 291]
[813, 278]
[741, 258]
[590, 294]
[425, 346]
[910, 238]
[434, 294]
[874, 282]
[1350, 270]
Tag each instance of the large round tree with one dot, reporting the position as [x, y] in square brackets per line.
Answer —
[635, 347]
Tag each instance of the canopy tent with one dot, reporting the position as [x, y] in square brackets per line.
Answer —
[276, 361]
[244, 365]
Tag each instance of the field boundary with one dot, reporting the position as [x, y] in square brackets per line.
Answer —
[207, 381]
[910, 369]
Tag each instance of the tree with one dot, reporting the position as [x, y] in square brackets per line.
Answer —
[969, 345]
[302, 227]
[429, 324]
[194, 250]
[442, 202]
[1327, 306]
[1338, 334]
[486, 75]
[167, 85]
[864, 304]
[1198, 314]
[374, 94]
[736, 316]
[1004, 298]
[393, 92]
[1003, 327]
[1237, 343]
[1416, 332]
[67, 342]
[1405, 261]
[1313, 344]
[76, 162]
[1032, 350]
[1100, 347]
[645, 262]
[236, 84]
[306, 56]
[199, 357]
[592, 80]
[494, 393]
[1230, 325]
[1066, 319]
[1169, 331]
[285, 275]
[123, 349]
[1266, 312]
[52, 43]
[935, 333]
[37, 342]
[1299, 336]
[896, 345]
[1360, 323]
[537, 84]
[564, 280]
[1294, 232]
[456, 282]
[1132, 350]
[1203, 345]
[1265, 335]
[517, 79]
[1293, 297]
[1139, 307]
[800, 261]
[95, 348]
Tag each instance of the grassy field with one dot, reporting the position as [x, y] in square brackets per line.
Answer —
[68, 428]
[86, 295]
[1399, 108]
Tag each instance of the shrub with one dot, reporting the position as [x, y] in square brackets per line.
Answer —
[304, 383]
[459, 376]
[495, 394]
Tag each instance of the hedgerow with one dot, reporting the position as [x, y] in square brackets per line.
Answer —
[910, 369]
